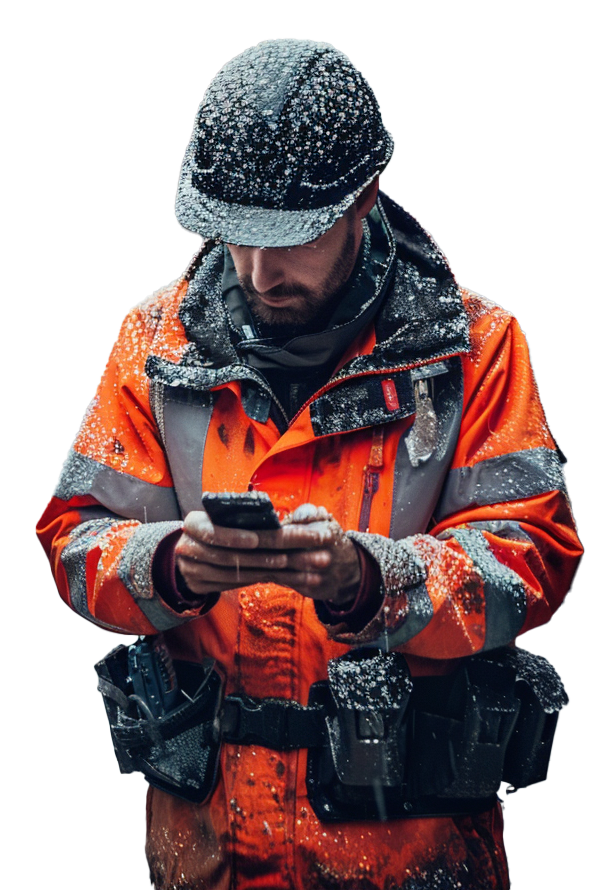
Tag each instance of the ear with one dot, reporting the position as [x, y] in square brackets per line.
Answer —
[367, 198]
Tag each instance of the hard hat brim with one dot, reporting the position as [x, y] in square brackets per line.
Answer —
[256, 226]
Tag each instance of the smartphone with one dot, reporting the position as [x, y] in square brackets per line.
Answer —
[251, 510]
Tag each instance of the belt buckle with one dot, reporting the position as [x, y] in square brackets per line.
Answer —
[245, 720]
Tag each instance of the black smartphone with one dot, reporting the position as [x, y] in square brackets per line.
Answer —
[251, 509]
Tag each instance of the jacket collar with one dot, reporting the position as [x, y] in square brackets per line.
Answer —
[422, 320]
[358, 302]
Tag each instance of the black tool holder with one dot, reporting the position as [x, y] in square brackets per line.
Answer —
[178, 751]
[433, 746]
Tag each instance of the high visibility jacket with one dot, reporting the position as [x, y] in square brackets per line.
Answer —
[429, 444]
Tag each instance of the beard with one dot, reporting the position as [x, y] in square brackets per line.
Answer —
[315, 306]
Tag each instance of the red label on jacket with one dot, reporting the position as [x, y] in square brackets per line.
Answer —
[390, 395]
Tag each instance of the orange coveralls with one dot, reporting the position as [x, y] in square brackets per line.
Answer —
[475, 542]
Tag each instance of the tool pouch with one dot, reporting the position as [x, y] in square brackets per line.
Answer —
[359, 772]
[176, 751]
[542, 696]
[371, 696]
[460, 731]
[435, 745]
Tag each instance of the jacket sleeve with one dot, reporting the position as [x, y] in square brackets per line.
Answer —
[115, 502]
[502, 549]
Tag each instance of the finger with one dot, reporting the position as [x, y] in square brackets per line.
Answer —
[205, 579]
[309, 560]
[205, 554]
[298, 537]
[309, 513]
[199, 527]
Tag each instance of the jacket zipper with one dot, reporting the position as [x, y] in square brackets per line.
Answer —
[371, 480]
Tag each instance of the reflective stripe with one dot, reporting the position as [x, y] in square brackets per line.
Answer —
[419, 616]
[124, 495]
[135, 571]
[73, 557]
[503, 528]
[509, 477]
[504, 593]
[186, 419]
[407, 607]
[416, 489]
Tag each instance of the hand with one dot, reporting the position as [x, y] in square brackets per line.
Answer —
[338, 577]
[310, 554]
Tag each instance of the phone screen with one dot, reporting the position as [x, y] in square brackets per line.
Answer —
[251, 510]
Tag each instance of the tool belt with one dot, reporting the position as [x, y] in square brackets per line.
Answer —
[381, 745]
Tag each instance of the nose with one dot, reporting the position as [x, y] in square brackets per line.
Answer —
[267, 268]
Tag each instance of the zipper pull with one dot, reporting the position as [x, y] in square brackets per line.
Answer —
[371, 481]
[422, 439]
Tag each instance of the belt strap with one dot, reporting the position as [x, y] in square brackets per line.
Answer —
[272, 722]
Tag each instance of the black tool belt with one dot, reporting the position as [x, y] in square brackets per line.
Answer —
[380, 745]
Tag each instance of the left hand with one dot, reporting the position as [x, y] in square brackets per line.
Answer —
[332, 569]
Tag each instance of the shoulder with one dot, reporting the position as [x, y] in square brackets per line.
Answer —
[165, 300]
[154, 325]
[482, 312]
[490, 325]
[499, 354]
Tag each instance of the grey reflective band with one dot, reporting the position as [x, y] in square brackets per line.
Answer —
[418, 617]
[504, 593]
[121, 493]
[82, 539]
[511, 531]
[496, 480]
[135, 572]
[186, 420]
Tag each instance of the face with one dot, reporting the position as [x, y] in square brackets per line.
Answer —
[297, 285]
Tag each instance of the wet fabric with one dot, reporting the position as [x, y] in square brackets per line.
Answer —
[279, 851]
[454, 579]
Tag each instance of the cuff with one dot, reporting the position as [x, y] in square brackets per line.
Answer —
[169, 583]
[365, 601]
[405, 606]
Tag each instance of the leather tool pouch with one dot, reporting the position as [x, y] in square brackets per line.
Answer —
[177, 751]
[432, 746]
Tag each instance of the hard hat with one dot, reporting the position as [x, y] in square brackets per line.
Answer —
[287, 136]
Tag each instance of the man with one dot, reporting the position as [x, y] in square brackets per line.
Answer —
[319, 349]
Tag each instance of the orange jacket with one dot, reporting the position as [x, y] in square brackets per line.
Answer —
[466, 514]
